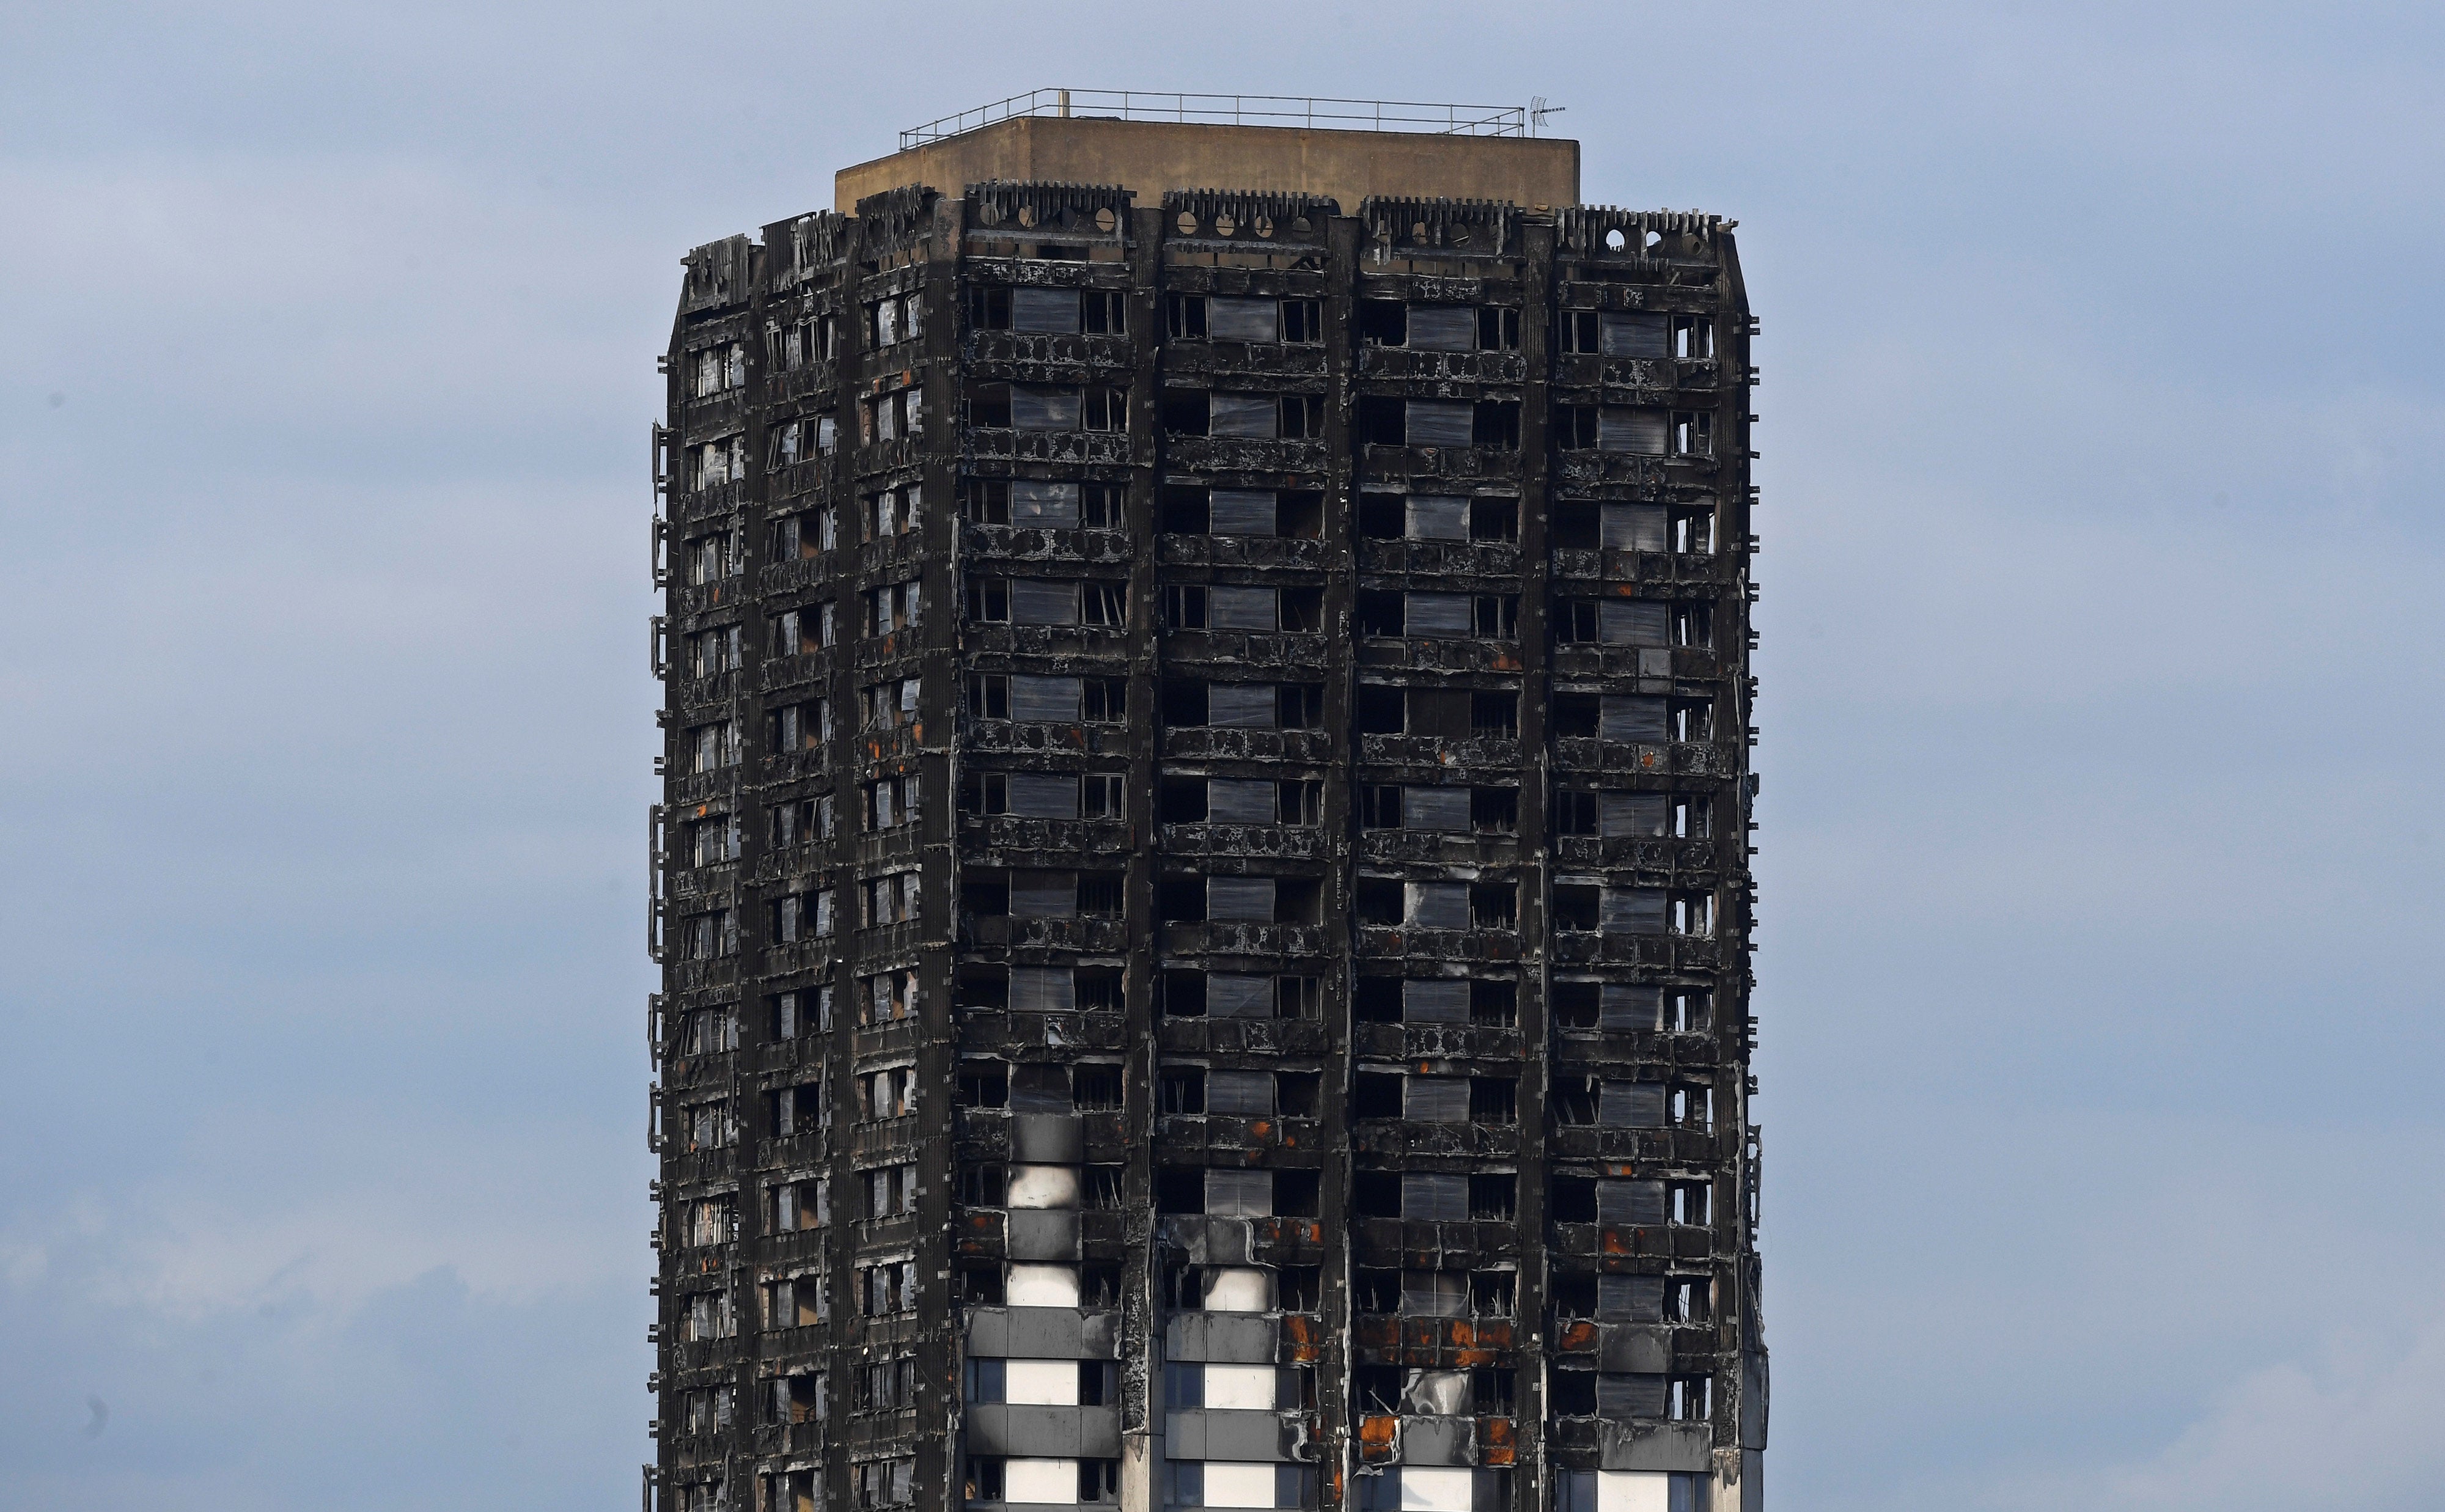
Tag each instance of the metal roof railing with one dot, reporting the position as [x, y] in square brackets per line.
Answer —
[1234, 110]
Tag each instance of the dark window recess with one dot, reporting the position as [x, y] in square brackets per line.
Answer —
[1098, 990]
[1181, 1090]
[1381, 709]
[1379, 422]
[988, 307]
[1183, 510]
[1182, 992]
[1297, 1193]
[1576, 715]
[1377, 1292]
[1495, 425]
[1493, 1005]
[1493, 904]
[1180, 1189]
[1095, 1089]
[1378, 901]
[1572, 1200]
[981, 1084]
[989, 404]
[1376, 1094]
[1376, 1194]
[1494, 1197]
[1383, 323]
[1187, 411]
[1493, 1100]
[1299, 1288]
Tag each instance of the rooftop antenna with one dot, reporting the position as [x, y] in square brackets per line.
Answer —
[1538, 111]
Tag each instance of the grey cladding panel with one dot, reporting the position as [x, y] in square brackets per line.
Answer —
[1438, 1441]
[1435, 1099]
[1630, 1203]
[1622, 429]
[1049, 505]
[1234, 995]
[1043, 989]
[1242, 608]
[1687, 1447]
[1250, 415]
[1441, 1001]
[1432, 517]
[1044, 796]
[1434, 807]
[1624, 815]
[1041, 697]
[1043, 1432]
[1242, 705]
[1235, 1338]
[1627, 334]
[1043, 601]
[1441, 422]
[1626, 1005]
[1043, 894]
[1245, 899]
[1629, 717]
[1631, 1105]
[1437, 614]
[1630, 1298]
[1043, 409]
[1434, 1197]
[1210, 1434]
[1439, 904]
[1628, 622]
[1241, 800]
[1633, 1346]
[1629, 1393]
[1623, 911]
[1242, 511]
[1231, 318]
[1636, 527]
[1443, 327]
[1040, 1234]
[1047, 1139]
[1243, 1093]
[1239, 1193]
[1051, 311]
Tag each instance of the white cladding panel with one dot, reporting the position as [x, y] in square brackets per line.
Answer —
[1044, 1187]
[1040, 1481]
[1042, 1286]
[1040, 1383]
[1249, 1387]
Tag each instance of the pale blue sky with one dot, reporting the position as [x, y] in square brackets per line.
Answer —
[2100, 707]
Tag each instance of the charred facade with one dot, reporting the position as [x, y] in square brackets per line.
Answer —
[1203, 885]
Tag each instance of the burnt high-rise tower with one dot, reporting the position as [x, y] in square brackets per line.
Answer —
[1203, 879]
